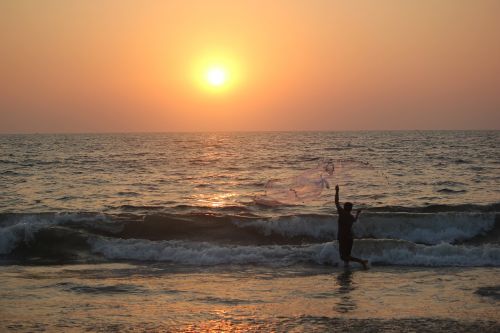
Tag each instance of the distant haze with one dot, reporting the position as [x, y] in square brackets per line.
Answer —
[119, 66]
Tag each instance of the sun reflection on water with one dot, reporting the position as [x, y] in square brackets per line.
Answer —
[215, 200]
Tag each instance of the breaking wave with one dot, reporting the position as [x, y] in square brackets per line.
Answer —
[394, 238]
[426, 228]
[385, 252]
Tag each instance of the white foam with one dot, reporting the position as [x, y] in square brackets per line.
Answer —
[22, 228]
[200, 253]
[292, 226]
[427, 228]
[444, 254]
[390, 252]
[8, 239]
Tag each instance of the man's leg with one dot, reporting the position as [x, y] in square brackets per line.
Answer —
[345, 252]
[345, 247]
[361, 261]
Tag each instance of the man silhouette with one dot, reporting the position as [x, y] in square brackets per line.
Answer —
[344, 233]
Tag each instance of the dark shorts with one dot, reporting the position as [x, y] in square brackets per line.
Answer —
[345, 247]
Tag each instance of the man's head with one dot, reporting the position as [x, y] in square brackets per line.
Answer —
[348, 206]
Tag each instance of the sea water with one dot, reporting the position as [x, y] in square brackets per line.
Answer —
[139, 232]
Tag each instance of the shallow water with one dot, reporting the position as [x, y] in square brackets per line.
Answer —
[144, 297]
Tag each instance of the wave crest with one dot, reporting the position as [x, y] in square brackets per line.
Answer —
[385, 252]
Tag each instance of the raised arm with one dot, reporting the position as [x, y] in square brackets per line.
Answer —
[337, 203]
[357, 215]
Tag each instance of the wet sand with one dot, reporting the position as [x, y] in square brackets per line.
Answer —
[125, 297]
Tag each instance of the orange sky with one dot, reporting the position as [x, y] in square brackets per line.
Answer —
[115, 66]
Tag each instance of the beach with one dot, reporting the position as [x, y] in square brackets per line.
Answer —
[250, 166]
[154, 297]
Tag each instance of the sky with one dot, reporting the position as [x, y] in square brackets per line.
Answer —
[142, 66]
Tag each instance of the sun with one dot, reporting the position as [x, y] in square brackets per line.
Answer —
[216, 76]
[217, 73]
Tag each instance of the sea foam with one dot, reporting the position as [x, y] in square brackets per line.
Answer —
[385, 252]
[426, 228]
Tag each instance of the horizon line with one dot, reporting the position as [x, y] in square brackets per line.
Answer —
[247, 131]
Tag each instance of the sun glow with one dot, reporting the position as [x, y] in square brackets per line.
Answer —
[216, 76]
[217, 72]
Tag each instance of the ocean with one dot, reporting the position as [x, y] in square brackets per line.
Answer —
[163, 232]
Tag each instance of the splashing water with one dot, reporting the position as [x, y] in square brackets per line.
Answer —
[301, 188]
[309, 184]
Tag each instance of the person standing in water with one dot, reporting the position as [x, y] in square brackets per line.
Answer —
[344, 231]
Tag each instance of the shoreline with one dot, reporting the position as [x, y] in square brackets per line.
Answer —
[125, 297]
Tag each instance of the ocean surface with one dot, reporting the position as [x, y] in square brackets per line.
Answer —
[162, 232]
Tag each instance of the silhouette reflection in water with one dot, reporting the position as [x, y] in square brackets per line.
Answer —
[345, 286]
